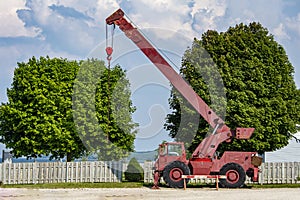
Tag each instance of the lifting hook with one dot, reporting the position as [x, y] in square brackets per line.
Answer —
[109, 51]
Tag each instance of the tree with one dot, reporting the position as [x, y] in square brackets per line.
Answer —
[39, 116]
[259, 86]
[105, 124]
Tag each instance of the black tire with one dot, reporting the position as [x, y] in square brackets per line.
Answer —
[235, 174]
[173, 172]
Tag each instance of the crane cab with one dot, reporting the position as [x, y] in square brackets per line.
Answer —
[169, 152]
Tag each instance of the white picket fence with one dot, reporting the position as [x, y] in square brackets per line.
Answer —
[99, 171]
[280, 172]
[60, 172]
[271, 173]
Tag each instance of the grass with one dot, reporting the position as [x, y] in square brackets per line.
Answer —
[132, 185]
[76, 185]
[296, 185]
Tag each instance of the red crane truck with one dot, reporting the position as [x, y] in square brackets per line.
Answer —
[172, 164]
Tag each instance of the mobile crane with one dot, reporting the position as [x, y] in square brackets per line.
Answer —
[171, 163]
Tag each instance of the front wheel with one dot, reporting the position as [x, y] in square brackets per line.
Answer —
[173, 172]
[235, 176]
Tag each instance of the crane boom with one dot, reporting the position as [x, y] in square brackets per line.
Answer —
[208, 148]
[155, 57]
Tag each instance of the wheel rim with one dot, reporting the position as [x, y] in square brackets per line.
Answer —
[175, 174]
[232, 176]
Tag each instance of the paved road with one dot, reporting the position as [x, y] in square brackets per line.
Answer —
[146, 193]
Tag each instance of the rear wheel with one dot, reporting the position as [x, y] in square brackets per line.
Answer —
[235, 176]
[173, 172]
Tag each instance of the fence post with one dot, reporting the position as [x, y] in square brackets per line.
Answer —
[298, 172]
[148, 171]
[4, 173]
[33, 172]
[1, 173]
[293, 172]
[282, 173]
[8, 171]
[262, 174]
[66, 172]
[120, 170]
[288, 172]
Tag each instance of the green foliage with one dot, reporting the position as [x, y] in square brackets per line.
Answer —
[109, 106]
[259, 85]
[39, 116]
[134, 171]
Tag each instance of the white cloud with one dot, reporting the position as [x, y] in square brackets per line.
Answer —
[61, 32]
[11, 25]
[167, 14]
[294, 24]
[280, 33]
[41, 10]
[103, 9]
[107, 4]
[166, 6]
[89, 8]
[206, 14]
[256, 10]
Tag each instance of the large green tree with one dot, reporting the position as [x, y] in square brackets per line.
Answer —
[257, 78]
[38, 118]
[107, 103]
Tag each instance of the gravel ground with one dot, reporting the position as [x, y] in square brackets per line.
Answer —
[146, 193]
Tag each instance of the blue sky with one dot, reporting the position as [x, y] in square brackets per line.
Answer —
[75, 29]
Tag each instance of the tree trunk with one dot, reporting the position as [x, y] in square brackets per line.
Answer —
[69, 157]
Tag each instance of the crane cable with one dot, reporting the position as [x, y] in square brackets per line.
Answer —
[109, 47]
[109, 51]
